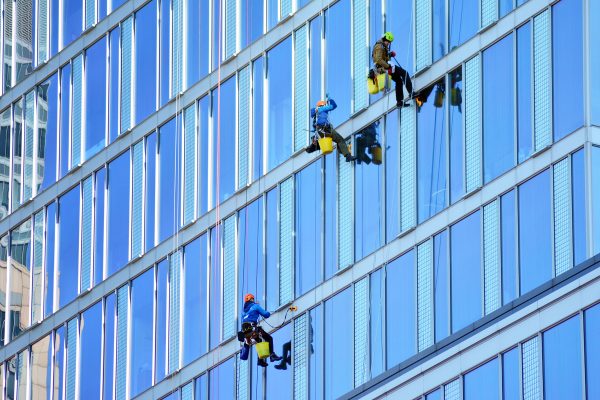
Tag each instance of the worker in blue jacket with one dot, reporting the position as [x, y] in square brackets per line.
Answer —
[322, 127]
[252, 312]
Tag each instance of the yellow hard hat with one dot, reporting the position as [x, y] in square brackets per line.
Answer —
[389, 36]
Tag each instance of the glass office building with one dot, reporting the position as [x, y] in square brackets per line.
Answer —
[152, 172]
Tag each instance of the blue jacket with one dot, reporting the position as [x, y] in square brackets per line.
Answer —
[322, 114]
[252, 311]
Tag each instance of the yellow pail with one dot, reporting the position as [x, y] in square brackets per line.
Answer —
[379, 85]
[326, 145]
[376, 155]
[262, 348]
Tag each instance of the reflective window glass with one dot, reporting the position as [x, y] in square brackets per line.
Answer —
[271, 250]
[330, 216]
[272, 13]
[142, 290]
[535, 255]
[72, 24]
[18, 155]
[47, 104]
[109, 345]
[316, 63]
[95, 98]
[99, 226]
[482, 382]
[169, 161]
[90, 341]
[338, 339]
[392, 176]
[201, 387]
[579, 210]
[315, 363]
[401, 320]
[215, 279]
[465, 250]
[338, 65]
[457, 175]
[596, 199]
[442, 285]
[258, 74]
[118, 213]
[65, 117]
[562, 361]
[377, 310]
[498, 122]
[223, 180]
[431, 153]
[162, 296]
[221, 381]
[195, 301]
[437, 395]
[592, 352]
[594, 15]
[19, 279]
[145, 61]
[439, 29]
[198, 40]
[567, 54]
[398, 20]
[165, 77]
[8, 44]
[68, 250]
[505, 7]
[510, 375]
[117, 3]
[59, 360]
[252, 20]
[49, 259]
[278, 381]
[41, 370]
[4, 260]
[113, 103]
[509, 242]
[524, 98]
[218, 42]
[5, 136]
[279, 95]
[464, 21]
[251, 264]
[203, 132]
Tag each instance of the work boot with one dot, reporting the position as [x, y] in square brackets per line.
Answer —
[274, 357]
[350, 158]
[281, 366]
[262, 363]
[403, 104]
[312, 148]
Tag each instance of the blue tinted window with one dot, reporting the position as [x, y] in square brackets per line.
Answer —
[250, 250]
[223, 139]
[162, 296]
[72, 21]
[440, 277]
[117, 3]
[594, 15]
[375, 23]
[510, 375]
[509, 256]
[338, 74]
[145, 61]
[464, 21]
[315, 366]
[222, 385]
[400, 309]
[194, 279]
[579, 213]
[498, 122]
[95, 98]
[68, 250]
[437, 395]
[309, 225]
[465, 239]
[142, 290]
[505, 7]
[338, 339]
[377, 309]
[47, 132]
[535, 255]
[567, 54]
[272, 13]
[562, 361]
[439, 29]
[165, 74]
[524, 85]
[258, 74]
[392, 176]
[197, 40]
[109, 345]
[398, 20]
[330, 216]
[596, 199]
[90, 363]
[252, 21]
[59, 360]
[65, 118]
[169, 154]
[54, 15]
[279, 111]
[278, 381]
[100, 187]
[592, 352]
[150, 189]
[113, 111]
[218, 40]
[482, 383]
[215, 294]
[431, 155]
[316, 64]
[5, 137]
[456, 136]
[271, 250]
[201, 387]
[203, 132]
[118, 213]
[49, 258]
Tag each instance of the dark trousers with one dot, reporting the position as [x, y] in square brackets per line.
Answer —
[266, 337]
[401, 78]
[364, 141]
[335, 136]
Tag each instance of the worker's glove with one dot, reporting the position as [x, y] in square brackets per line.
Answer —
[392, 54]
[390, 70]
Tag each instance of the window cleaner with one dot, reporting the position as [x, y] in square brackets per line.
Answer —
[324, 131]
[366, 139]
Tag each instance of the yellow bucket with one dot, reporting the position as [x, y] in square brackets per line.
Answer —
[379, 85]
[326, 145]
[262, 348]
[376, 155]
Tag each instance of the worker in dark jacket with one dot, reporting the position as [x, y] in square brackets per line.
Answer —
[381, 58]
[322, 126]
[252, 312]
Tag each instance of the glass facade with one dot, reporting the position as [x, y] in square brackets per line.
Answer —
[166, 229]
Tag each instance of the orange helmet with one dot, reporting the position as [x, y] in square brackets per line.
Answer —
[248, 297]
[321, 103]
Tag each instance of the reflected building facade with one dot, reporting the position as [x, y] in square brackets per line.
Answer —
[152, 172]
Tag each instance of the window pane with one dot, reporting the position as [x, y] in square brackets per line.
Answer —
[377, 307]
[20, 271]
[278, 381]
[113, 113]
[257, 121]
[164, 52]
[198, 40]
[109, 345]
[279, 95]
[215, 295]
[440, 276]
[498, 122]
[145, 57]
[437, 395]
[41, 376]
[439, 29]
[592, 351]
[594, 15]
[3, 259]
[579, 210]
[72, 21]
[195, 270]
[482, 383]
[562, 361]
[509, 255]
[99, 226]
[465, 237]
[272, 13]
[169, 154]
[400, 309]
[49, 259]
[338, 339]
[271, 250]
[118, 213]
[330, 216]
[65, 118]
[5, 136]
[535, 256]
[315, 366]
[91, 352]
[505, 7]
[456, 136]
[524, 91]
[431, 155]
[464, 21]
[142, 290]
[338, 78]
[250, 250]
[162, 270]
[316, 63]
[510, 374]
[8, 45]
[203, 129]
[95, 98]
[392, 176]
[398, 19]
[47, 134]
[17, 162]
[567, 53]
[223, 180]
[222, 385]
[217, 43]
[68, 250]
[59, 359]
